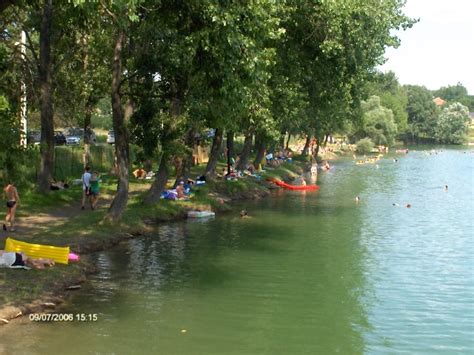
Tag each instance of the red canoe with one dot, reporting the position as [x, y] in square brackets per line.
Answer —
[296, 187]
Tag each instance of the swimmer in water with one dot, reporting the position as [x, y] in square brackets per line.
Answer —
[445, 187]
[408, 205]
[357, 199]
[244, 214]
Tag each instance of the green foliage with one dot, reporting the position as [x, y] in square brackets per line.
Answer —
[331, 48]
[377, 122]
[392, 96]
[365, 145]
[10, 151]
[422, 112]
[452, 125]
[102, 116]
[456, 93]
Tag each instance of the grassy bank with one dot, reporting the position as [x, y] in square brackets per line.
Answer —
[88, 231]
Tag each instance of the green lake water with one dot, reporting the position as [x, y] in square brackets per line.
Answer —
[309, 273]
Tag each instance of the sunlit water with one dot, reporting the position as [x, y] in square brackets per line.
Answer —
[313, 273]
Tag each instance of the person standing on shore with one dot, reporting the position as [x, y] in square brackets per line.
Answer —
[94, 189]
[86, 185]
[13, 201]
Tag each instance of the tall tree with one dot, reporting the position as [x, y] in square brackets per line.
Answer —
[46, 83]
[334, 46]
[392, 96]
[422, 112]
[377, 122]
[122, 14]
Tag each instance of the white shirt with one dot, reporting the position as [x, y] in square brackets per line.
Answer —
[86, 180]
[7, 259]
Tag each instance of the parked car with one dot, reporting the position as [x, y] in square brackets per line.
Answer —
[111, 137]
[77, 134]
[59, 138]
[73, 135]
[72, 140]
[34, 137]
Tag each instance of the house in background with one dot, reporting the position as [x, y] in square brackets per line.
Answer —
[439, 101]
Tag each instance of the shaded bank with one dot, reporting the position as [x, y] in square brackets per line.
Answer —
[36, 290]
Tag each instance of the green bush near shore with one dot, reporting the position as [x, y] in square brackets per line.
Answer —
[365, 146]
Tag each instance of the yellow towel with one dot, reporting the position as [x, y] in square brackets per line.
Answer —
[58, 254]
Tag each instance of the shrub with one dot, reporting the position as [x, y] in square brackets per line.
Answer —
[365, 145]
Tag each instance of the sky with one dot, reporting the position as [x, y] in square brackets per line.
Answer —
[439, 49]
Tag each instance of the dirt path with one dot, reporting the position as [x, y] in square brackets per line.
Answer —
[27, 226]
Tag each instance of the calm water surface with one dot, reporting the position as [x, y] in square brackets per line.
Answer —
[313, 273]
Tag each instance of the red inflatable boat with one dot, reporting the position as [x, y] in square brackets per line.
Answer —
[295, 187]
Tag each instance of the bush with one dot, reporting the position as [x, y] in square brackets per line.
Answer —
[365, 145]
[452, 126]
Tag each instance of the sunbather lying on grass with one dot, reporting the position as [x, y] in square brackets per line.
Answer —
[20, 260]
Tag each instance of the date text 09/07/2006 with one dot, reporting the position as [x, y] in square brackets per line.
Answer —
[63, 317]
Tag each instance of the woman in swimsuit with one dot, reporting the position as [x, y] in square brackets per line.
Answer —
[12, 260]
[13, 201]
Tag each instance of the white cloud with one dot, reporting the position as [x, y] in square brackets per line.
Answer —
[438, 50]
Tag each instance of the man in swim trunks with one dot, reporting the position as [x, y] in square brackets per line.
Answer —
[13, 201]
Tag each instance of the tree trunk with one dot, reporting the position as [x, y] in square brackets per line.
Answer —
[306, 145]
[214, 156]
[87, 131]
[121, 136]
[230, 149]
[47, 117]
[187, 162]
[154, 194]
[260, 154]
[88, 105]
[317, 148]
[281, 140]
[288, 141]
[244, 155]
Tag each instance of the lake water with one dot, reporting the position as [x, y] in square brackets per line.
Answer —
[309, 273]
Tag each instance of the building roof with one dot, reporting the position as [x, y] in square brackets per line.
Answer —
[439, 101]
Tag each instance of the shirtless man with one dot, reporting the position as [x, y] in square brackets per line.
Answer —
[13, 201]
[181, 191]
